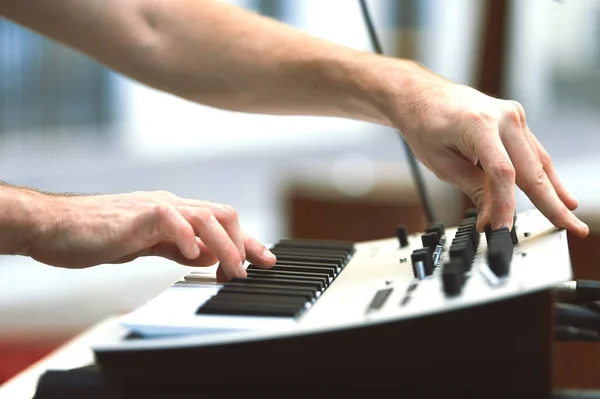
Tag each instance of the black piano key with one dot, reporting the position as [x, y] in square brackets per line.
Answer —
[324, 266]
[275, 272]
[304, 269]
[321, 283]
[288, 288]
[306, 295]
[331, 272]
[241, 309]
[318, 251]
[280, 282]
[348, 246]
[314, 259]
[341, 257]
[235, 298]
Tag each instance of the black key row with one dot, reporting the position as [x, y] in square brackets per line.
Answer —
[464, 247]
[462, 251]
[465, 243]
[304, 270]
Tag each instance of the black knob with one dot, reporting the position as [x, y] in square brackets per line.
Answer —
[500, 251]
[501, 238]
[471, 232]
[513, 232]
[498, 262]
[462, 252]
[437, 227]
[424, 255]
[430, 240]
[453, 277]
[402, 235]
[488, 231]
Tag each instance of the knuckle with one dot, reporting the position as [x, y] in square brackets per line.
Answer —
[481, 119]
[203, 215]
[504, 171]
[537, 179]
[520, 110]
[515, 113]
[477, 195]
[162, 210]
[513, 117]
[230, 213]
[164, 194]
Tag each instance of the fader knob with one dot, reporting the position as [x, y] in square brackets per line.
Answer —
[498, 262]
[513, 232]
[402, 235]
[488, 231]
[462, 252]
[437, 227]
[453, 277]
[424, 255]
[430, 240]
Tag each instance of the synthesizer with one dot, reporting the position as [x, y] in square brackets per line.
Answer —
[442, 312]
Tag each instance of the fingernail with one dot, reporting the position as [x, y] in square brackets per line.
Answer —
[268, 254]
[583, 226]
[194, 251]
[242, 270]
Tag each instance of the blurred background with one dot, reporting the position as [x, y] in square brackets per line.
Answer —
[69, 124]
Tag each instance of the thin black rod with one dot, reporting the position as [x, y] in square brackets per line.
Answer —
[412, 160]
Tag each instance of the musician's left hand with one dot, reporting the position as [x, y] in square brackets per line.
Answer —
[83, 231]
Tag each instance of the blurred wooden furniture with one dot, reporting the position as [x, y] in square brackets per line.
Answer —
[323, 212]
[576, 364]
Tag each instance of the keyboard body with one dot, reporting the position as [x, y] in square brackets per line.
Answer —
[380, 327]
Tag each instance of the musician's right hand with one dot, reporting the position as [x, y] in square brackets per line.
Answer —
[83, 231]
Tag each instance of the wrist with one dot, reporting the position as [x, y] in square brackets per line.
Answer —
[400, 89]
[20, 219]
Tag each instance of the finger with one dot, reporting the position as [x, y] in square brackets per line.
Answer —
[470, 180]
[214, 236]
[168, 249]
[229, 219]
[172, 224]
[500, 175]
[566, 197]
[532, 179]
[258, 254]
[221, 277]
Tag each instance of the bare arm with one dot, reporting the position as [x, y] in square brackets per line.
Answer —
[223, 56]
[79, 231]
[211, 52]
[19, 210]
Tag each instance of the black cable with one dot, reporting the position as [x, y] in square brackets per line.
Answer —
[578, 291]
[567, 314]
[570, 333]
[414, 166]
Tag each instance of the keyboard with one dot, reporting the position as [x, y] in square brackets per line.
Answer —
[444, 311]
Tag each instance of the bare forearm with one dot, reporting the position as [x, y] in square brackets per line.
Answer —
[19, 210]
[215, 54]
